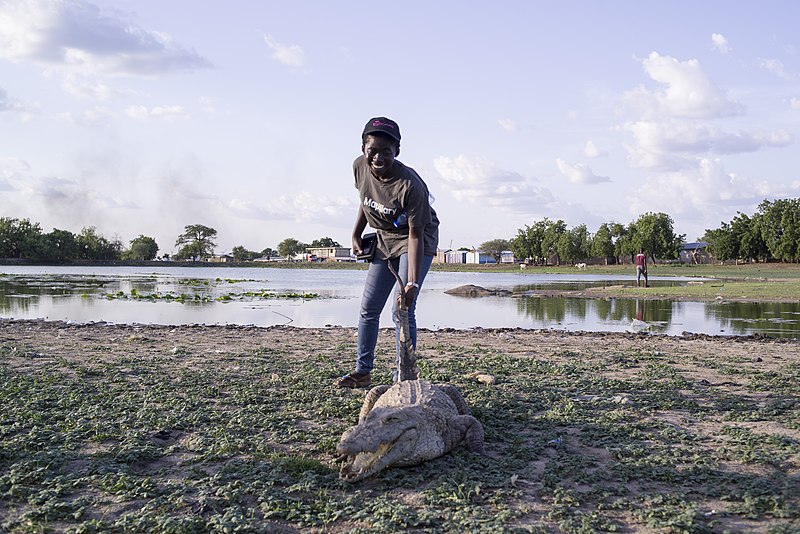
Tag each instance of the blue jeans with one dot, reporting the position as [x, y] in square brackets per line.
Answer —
[377, 288]
[641, 271]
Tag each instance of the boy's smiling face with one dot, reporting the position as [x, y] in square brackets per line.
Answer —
[380, 152]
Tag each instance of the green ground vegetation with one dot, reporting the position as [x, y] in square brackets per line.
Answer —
[144, 431]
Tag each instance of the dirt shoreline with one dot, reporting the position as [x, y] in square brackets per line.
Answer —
[70, 339]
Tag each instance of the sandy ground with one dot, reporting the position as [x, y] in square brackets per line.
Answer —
[76, 340]
[81, 342]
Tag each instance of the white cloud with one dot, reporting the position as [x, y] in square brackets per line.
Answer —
[665, 144]
[292, 55]
[92, 90]
[687, 91]
[579, 173]
[66, 203]
[720, 43]
[304, 207]
[12, 170]
[690, 192]
[795, 103]
[158, 112]
[89, 117]
[479, 181]
[9, 104]
[775, 66]
[77, 36]
[508, 124]
[591, 150]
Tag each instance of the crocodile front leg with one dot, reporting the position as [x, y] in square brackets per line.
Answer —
[370, 400]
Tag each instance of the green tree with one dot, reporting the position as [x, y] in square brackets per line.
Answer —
[527, 244]
[58, 246]
[290, 246]
[552, 235]
[722, 243]
[196, 242]
[143, 248]
[780, 228]
[495, 248]
[747, 232]
[325, 242]
[655, 234]
[573, 244]
[19, 238]
[240, 253]
[602, 244]
[622, 242]
[93, 246]
[268, 253]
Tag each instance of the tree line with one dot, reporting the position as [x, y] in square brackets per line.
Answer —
[547, 241]
[288, 248]
[23, 239]
[771, 233]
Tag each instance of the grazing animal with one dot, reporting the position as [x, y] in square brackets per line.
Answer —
[581, 266]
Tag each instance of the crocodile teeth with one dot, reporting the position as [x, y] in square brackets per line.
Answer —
[364, 461]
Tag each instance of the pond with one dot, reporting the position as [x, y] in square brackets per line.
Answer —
[318, 298]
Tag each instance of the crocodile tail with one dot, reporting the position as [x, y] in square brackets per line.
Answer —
[472, 432]
[406, 357]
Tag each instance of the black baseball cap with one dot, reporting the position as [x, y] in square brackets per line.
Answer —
[384, 126]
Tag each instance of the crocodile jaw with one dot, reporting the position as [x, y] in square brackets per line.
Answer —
[364, 464]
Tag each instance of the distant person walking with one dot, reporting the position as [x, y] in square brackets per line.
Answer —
[641, 268]
[394, 201]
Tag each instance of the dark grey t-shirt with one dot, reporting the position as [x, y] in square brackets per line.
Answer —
[386, 202]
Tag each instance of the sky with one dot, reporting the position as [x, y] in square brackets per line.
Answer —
[140, 117]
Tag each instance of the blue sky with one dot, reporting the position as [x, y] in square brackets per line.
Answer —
[142, 117]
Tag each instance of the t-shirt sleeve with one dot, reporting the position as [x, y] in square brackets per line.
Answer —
[356, 174]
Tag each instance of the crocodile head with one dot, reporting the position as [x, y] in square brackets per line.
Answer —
[386, 437]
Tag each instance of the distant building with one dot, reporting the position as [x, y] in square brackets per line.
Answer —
[222, 258]
[456, 256]
[478, 257]
[328, 254]
[695, 253]
[507, 257]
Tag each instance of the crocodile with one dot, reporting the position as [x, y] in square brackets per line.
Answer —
[406, 424]
[409, 422]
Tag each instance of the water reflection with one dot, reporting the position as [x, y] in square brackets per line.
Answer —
[215, 296]
[777, 319]
[612, 314]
